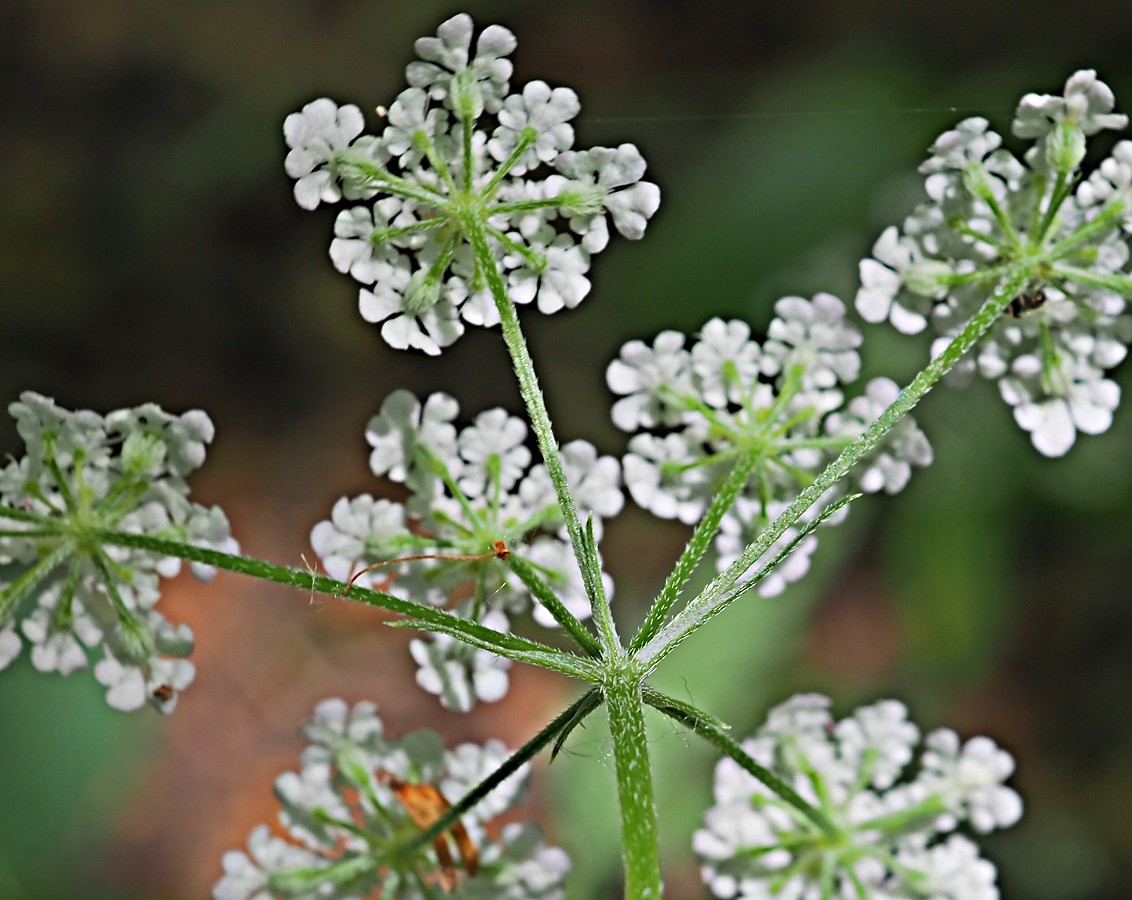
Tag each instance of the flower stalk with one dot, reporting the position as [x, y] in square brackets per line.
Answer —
[544, 433]
[719, 593]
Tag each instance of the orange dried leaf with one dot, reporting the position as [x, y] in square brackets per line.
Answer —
[425, 805]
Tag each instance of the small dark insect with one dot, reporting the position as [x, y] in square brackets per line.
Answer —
[1023, 303]
[163, 692]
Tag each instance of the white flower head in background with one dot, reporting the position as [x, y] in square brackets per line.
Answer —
[360, 796]
[477, 507]
[698, 407]
[68, 593]
[1042, 219]
[892, 823]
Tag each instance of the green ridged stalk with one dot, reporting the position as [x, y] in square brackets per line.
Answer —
[640, 846]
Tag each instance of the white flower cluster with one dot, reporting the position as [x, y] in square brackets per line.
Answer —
[66, 593]
[459, 146]
[470, 491]
[894, 839]
[360, 796]
[697, 411]
[989, 217]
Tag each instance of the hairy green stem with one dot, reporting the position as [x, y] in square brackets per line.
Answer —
[544, 433]
[568, 718]
[640, 847]
[423, 616]
[30, 578]
[542, 592]
[697, 545]
[719, 593]
[710, 730]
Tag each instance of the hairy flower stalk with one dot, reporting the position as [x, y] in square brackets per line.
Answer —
[540, 422]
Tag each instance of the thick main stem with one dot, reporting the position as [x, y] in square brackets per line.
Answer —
[640, 845]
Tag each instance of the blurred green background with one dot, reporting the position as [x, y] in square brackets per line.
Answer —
[150, 250]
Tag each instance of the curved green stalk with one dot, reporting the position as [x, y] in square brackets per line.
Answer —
[709, 729]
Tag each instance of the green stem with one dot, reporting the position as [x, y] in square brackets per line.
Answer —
[526, 137]
[1114, 281]
[541, 591]
[545, 657]
[697, 545]
[710, 730]
[503, 644]
[1057, 196]
[1099, 225]
[586, 705]
[102, 565]
[893, 823]
[678, 708]
[534, 258]
[514, 206]
[30, 533]
[387, 182]
[60, 480]
[719, 594]
[507, 768]
[640, 846]
[30, 578]
[424, 143]
[544, 433]
[1001, 216]
[25, 515]
[305, 881]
